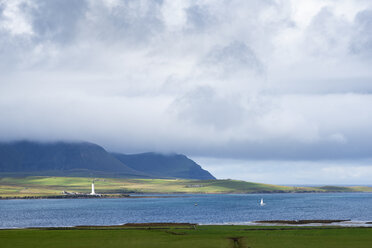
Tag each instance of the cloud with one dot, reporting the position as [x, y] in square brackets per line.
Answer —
[199, 18]
[203, 107]
[232, 58]
[12, 19]
[356, 172]
[278, 80]
[55, 21]
[131, 22]
[361, 43]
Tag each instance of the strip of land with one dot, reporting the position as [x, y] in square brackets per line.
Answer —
[167, 235]
[53, 187]
[299, 222]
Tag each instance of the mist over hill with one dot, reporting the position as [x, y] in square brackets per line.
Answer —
[88, 159]
[160, 165]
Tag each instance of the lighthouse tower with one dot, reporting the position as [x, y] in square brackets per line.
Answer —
[93, 192]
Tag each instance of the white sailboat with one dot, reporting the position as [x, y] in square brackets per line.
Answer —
[262, 203]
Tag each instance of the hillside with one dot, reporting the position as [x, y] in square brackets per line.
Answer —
[25, 158]
[169, 165]
[61, 159]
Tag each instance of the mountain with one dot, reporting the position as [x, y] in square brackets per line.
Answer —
[61, 158]
[88, 159]
[160, 165]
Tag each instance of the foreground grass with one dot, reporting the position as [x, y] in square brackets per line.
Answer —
[46, 186]
[200, 236]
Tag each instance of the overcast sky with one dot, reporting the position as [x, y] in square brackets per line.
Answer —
[260, 90]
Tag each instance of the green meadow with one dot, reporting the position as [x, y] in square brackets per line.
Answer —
[189, 236]
[48, 186]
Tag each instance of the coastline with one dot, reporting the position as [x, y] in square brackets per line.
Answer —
[86, 197]
[261, 224]
[160, 195]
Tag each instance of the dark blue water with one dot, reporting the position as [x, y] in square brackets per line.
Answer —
[216, 209]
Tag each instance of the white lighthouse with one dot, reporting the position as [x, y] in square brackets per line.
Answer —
[93, 192]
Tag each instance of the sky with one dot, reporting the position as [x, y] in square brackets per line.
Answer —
[269, 91]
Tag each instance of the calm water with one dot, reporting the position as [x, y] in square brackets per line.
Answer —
[216, 209]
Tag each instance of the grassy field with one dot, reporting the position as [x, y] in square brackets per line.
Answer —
[189, 236]
[47, 186]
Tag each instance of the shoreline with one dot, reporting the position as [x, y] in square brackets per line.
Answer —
[86, 197]
[158, 195]
[287, 224]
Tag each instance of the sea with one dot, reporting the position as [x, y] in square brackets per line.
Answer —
[200, 209]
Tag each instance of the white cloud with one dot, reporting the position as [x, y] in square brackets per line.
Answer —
[356, 172]
[13, 20]
[174, 14]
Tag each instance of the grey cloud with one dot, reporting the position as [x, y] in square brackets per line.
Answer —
[132, 21]
[199, 18]
[2, 6]
[327, 34]
[58, 20]
[286, 150]
[12, 51]
[243, 79]
[361, 43]
[203, 107]
[236, 56]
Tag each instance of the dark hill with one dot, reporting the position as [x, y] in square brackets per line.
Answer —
[87, 159]
[61, 158]
[161, 165]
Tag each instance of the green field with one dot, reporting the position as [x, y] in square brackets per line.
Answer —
[48, 186]
[189, 236]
